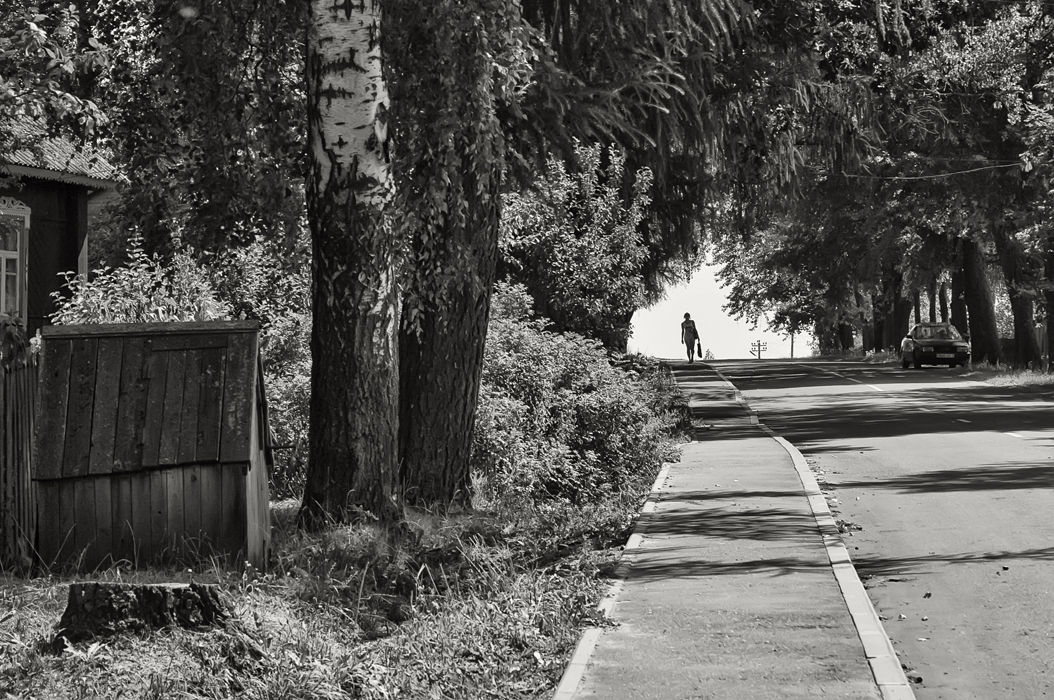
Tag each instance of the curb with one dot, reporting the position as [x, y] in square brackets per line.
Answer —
[576, 667]
[881, 656]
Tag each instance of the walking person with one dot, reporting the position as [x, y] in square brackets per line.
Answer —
[689, 336]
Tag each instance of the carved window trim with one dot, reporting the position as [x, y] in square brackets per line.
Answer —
[9, 206]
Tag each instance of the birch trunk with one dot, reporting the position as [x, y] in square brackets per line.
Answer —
[353, 442]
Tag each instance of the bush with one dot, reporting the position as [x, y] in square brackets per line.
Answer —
[144, 290]
[557, 421]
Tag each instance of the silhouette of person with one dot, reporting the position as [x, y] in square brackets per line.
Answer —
[689, 336]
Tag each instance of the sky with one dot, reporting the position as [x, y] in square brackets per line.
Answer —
[657, 331]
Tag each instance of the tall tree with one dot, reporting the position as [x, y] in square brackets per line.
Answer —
[453, 65]
[354, 373]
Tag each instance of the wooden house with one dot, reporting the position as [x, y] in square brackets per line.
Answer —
[46, 192]
[151, 444]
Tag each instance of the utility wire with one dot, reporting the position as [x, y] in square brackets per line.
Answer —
[935, 176]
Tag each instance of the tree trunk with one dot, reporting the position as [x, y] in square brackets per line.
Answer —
[942, 297]
[958, 302]
[984, 335]
[931, 294]
[1048, 296]
[102, 609]
[916, 302]
[1014, 262]
[353, 444]
[454, 154]
[440, 371]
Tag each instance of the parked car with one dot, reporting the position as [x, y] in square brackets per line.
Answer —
[934, 344]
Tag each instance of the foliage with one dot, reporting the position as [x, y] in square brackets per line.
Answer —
[144, 290]
[207, 106]
[576, 245]
[266, 282]
[41, 64]
[557, 422]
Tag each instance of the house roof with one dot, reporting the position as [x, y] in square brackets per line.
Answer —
[55, 158]
[121, 398]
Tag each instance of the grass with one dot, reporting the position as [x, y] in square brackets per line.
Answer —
[480, 608]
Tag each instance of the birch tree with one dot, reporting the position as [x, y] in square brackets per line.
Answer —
[353, 448]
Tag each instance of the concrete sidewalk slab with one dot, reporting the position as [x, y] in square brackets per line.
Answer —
[729, 591]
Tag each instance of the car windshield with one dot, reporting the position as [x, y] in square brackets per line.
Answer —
[936, 333]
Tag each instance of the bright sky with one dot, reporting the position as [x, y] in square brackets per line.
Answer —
[657, 331]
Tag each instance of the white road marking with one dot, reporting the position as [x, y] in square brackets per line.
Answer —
[1016, 435]
[962, 420]
[848, 379]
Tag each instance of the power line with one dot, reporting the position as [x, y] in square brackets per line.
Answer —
[934, 176]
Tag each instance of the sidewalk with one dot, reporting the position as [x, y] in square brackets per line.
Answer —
[735, 583]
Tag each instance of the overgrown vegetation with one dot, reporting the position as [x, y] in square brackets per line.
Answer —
[486, 601]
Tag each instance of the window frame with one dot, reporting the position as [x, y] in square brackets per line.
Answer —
[9, 206]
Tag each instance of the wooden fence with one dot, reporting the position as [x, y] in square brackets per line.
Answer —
[18, 380]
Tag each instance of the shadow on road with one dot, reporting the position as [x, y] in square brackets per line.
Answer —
[888, 566]
[989, 477]
[735, 523]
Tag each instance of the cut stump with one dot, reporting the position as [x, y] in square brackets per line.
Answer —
[97, 609]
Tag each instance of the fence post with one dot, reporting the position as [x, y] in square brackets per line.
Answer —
[18, 375]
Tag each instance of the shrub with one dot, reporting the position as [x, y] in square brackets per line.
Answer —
[145, 289]
[557, 421]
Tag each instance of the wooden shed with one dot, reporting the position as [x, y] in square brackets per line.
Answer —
[151, 444]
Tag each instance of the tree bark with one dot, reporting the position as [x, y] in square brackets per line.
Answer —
[931, 294]
[353, 442]
[958, 302]
[1048, 296]
[984, 335]
[942, 297]
[454, 158]
[102, 609]
[1016, 274]
[440, 369]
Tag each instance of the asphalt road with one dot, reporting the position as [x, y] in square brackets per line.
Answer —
[951, 482]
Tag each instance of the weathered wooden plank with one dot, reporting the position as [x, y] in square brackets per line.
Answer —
[103, 548]
[51, 423]
[79, 407]
[171, 415]
[258, 527]
[156, 371]
[212, 511]
[107, 398]
[159, 536]
[239, 387]
[86, 551]
[67, 521]
[210, 404]
[141, 520]
[49, 525]
[196, 341]
[174, 509]
[192, 500]
[122, 535]
[188, 431]
[233, 538]
[145, 329]
[131, 412]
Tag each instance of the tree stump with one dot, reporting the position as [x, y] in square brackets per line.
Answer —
[97, 609]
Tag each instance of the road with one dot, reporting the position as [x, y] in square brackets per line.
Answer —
[951, 482]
